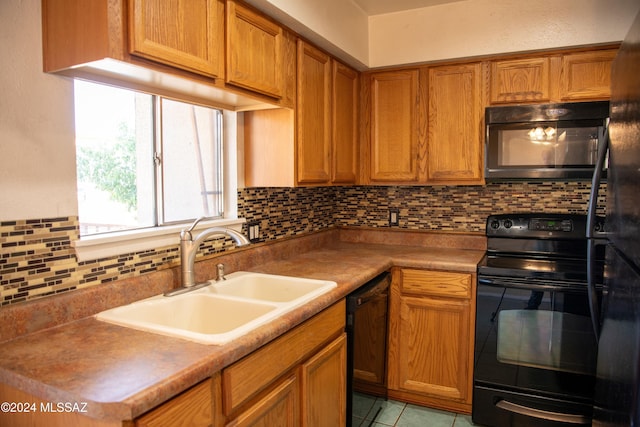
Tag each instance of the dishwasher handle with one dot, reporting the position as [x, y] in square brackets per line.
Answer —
[373, 289]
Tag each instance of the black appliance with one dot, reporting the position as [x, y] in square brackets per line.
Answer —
[544, 141]
[535, 346]
[617, 389]
[366, 327]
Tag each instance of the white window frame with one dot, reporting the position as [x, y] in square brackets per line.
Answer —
[128, 241]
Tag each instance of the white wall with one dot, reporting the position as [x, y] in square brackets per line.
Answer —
[37, 153]
[481, 27]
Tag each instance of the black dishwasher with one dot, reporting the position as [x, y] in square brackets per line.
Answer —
[366, 328]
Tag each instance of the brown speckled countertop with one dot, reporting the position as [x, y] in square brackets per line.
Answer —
[121, 372]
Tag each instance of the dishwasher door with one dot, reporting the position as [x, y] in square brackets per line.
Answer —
[367, 309]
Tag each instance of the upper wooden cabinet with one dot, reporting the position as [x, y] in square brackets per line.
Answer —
[456, 110]
[520, 80]
[392, 101]
[344, 124]
[255, 50]
[586, 75]
[563, 77]
[170, 48]
[317, 142]
[186, 35]
[313, 115]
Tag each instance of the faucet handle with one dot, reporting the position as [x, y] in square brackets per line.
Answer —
[220, 272]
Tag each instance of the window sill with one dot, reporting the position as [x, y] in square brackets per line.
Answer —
[125, 242]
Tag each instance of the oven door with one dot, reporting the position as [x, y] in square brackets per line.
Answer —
[535, 348]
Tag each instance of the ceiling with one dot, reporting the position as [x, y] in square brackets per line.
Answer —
[377, 7]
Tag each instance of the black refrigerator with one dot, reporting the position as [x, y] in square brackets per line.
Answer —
[617, 395]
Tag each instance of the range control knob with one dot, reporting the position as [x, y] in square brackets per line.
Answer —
[507, 223]
[494, 224]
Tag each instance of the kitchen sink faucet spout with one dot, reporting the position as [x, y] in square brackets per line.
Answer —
[189, 247]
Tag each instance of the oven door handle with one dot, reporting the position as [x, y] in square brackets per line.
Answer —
[544, 415]
[523, 284]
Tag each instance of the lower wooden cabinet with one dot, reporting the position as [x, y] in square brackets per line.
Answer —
[297, 379]
[324, 386]
[431, 338]
[192, 408]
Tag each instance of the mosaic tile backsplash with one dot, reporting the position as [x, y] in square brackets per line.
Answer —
[37, 259]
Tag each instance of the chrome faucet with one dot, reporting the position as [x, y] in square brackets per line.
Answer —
[189, 247]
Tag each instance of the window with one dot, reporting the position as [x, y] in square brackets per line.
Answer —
[146, 162]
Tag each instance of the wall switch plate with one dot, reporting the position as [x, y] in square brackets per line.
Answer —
[253, 231]
[394, 217]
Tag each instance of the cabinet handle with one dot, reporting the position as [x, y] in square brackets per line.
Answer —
[545, 415]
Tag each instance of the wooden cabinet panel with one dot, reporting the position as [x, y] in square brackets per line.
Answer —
[586, 75]
[324, 387]
[436, 283]
[344, 124]
[434, 344]
[313, 116]
[456, 111]
[186, 35]
[394, 126]
[520, 80]
[431, 338]
[279, 407]
[254, 50]
[247, 377]
[192, 408]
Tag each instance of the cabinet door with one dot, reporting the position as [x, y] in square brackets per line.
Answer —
[520, 80]
[254, 51]
[344, 124]
[186, 35]
[394, 126]
[433, 345]
[324, 386]
[454, 144]
[278, 408]
[313, 118]
[192, 408]
[586, 75]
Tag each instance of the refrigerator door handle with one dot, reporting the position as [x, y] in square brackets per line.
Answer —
[595, 186]
[592, 233]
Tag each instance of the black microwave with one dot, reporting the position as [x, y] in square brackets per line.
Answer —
[544, 141]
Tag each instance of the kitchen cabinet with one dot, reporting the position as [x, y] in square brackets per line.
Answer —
[187, 36]
[520, 80]
[455, 124]
[431, 338]
[301, 374]
[174, 49]
[392, 132]
[344, 124]
[317, 142]
[254, 50]
[313, 115]
[586, 75]
[552, 77]
[192, 408]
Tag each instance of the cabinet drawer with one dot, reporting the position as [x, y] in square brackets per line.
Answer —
[190, 409]
[247, 377]
[436, 283]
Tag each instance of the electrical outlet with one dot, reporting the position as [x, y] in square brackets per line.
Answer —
[394, 217]
[253, 231]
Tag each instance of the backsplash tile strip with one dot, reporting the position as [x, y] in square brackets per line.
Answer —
[37, 260]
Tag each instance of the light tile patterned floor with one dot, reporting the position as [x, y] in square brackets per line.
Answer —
[399, 414]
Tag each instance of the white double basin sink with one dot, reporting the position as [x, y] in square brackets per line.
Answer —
[223, 310]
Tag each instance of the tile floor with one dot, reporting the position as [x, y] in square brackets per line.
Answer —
[399, 414]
